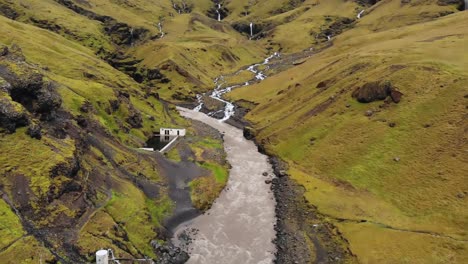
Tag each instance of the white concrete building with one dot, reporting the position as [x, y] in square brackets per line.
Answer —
[171, 132]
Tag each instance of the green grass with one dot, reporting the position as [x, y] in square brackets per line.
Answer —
[348, 170]
[10, 225]
[26, 250]
[220, 172]
[209, 143]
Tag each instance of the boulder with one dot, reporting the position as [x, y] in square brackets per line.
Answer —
[375, 91]
[248, 133]
[396, 96]
[34, 130]
[12, 115]
[372, 91]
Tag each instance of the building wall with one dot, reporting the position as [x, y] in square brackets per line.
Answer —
[172, 132]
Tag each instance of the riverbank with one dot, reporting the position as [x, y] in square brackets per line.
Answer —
[239, 228]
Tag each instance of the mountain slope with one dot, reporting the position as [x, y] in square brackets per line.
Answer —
[367, 115]
[72, 178]
[390, 175]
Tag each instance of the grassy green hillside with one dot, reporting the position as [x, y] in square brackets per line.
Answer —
[84, 83]
[391, 176]
[72, 180]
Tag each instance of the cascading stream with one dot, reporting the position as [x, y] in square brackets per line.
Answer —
[161, 30]
[219, 91]
[362, 12]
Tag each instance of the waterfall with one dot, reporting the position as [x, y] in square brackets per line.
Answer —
[251, 29]
[466, 4]
[362, 11]
[160, 30]
[131, 37]
[329, 37]
[218, 8]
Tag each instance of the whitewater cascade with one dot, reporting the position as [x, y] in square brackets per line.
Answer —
[161, 30]
[251, 29]
[329, 37]
[362, 11]
[131, 37]
[219, 91]
[218, 7]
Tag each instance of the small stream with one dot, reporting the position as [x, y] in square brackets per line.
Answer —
[220, 87]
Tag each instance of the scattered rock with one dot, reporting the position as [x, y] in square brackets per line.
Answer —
[265, 173]
[168, 253]
[392, 124]
[135, 120]
[34, 130]
[86, 107]
[369, 113]
[396, 159]
[282, 173]
[268, 181]
[3, 51]
[82, 121]
[396, 96]
[322, 84]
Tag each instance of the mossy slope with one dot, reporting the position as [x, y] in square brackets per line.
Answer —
[391, 171]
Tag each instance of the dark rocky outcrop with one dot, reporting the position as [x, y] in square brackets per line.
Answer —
[8, 11]
[367, 2]
[46, 24]
[34, 94]
[130, 66]
[135, 120]
[123, 34]
[288, 6]
[213, 11]
[12, 115]
[459, 3]
[169, 254]
[34, 130]
[78, 9]
[337, 27]
[375, 91]
[182, 6]
[119, 33]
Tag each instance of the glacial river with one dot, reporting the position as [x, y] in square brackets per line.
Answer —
[239, 228]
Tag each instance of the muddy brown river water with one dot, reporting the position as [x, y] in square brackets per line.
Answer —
[239, 228]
